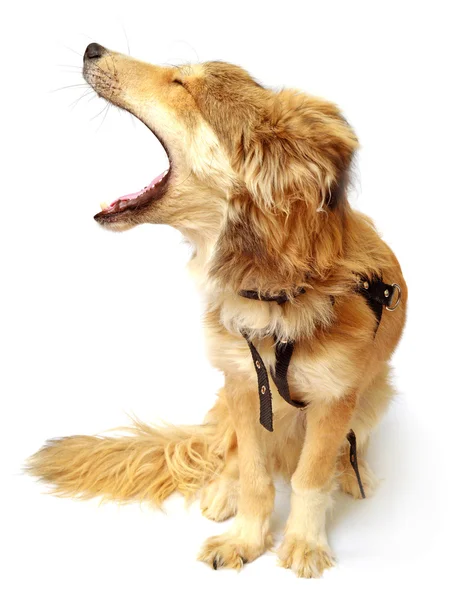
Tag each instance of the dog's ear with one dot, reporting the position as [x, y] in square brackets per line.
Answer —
[269, 251]
[294, 165]
[301, 150]
[293, 158]
[244, 256]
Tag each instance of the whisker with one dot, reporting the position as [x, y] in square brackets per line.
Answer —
[100, 113]
[72, 50]
[127, 40]
[182, 60]
[66, 87]
[87, 36]
[70, 66]
[71, 72]
[108, 106]
[75, 102]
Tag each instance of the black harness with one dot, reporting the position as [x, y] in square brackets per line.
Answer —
[377, 294]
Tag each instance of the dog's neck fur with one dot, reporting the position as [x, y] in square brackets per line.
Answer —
[221, 289]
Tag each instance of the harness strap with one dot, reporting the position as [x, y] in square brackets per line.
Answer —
[378, 294]
[353, 459]
[281, 298]
[284, 353]
[263, 385]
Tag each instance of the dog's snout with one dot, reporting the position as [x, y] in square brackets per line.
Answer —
[94, 50]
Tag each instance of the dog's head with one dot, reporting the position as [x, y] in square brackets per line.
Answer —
[240, 155]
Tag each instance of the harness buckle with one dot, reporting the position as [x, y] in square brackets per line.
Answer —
[396, 304]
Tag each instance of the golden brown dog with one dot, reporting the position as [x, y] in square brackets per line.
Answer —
[257, 183]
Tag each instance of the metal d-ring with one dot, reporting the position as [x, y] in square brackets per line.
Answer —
[396, 304]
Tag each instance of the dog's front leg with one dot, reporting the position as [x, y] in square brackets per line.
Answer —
[249, 535]
[305, 549]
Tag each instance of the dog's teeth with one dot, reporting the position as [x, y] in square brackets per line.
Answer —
[104, 205]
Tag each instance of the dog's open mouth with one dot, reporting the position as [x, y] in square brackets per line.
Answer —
[136, 201]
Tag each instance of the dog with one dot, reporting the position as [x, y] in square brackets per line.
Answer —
[305, 306]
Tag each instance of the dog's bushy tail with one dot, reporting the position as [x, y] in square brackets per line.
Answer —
[145, 464]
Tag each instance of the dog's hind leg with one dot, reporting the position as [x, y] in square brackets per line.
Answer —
[371, 408]
[347, 478]
[219, 498]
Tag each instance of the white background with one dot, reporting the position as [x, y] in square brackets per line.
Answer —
[85, 329]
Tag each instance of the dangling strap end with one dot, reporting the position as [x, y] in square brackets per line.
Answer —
[267, 424]
[265, 398]
[353, 460]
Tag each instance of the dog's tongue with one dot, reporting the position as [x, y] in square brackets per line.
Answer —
[129, 198]
[135, 195]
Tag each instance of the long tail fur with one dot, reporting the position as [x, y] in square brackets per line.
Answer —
[146, 464]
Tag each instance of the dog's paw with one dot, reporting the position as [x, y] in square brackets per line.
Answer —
[303, 558]
[227, 551]
[220, 498]
[349, 485]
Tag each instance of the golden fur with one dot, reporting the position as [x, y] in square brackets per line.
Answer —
[258, 186]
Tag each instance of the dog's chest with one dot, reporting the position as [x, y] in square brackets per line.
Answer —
[320, 371]
[311, 376]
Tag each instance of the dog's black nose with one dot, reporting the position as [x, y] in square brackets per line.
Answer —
[94, 50]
